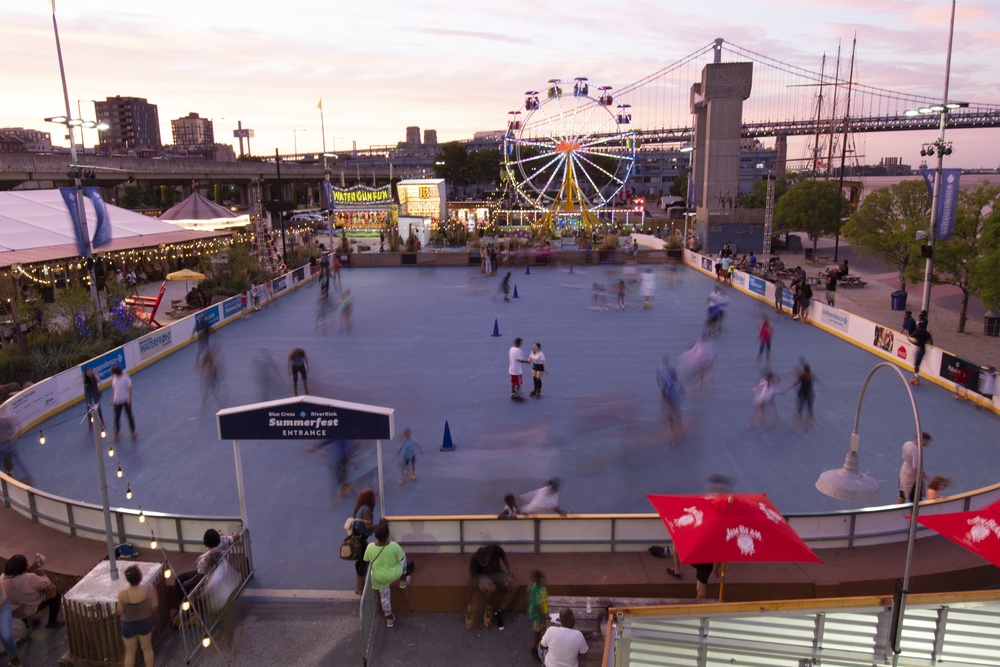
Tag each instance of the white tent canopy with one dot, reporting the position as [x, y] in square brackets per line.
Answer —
[198, 213]
[35, 226]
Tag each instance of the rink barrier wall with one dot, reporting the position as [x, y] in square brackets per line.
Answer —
[847, 326]
[619, 533]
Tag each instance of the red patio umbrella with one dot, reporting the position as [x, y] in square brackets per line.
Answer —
[722, 528]
[743, 527]
[978, 531]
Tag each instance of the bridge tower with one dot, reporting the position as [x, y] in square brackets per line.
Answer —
[717, 105]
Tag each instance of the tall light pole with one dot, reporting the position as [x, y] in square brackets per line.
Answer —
[70, 123]
[942, 150]
[848, 483]
[295, 140]
[326, 177]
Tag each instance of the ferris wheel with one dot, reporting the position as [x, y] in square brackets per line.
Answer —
[566, 151]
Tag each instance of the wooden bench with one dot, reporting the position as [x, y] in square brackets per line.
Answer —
[852, 281]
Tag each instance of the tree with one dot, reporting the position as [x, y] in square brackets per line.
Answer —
[814, 207]
[885, 226]
[484, 168]
[957, 261]
[679, 187]
[989, 264]
[452, 164]
[758, 195]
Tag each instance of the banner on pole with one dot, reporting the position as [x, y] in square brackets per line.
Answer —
[947, 208]
[102, 230]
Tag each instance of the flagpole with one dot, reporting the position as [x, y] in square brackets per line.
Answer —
[322, 124]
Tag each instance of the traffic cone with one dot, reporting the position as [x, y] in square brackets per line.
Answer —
[527, 270]
[446, 444]
[515, 292]
[496, 328]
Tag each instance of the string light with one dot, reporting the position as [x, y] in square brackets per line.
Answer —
[206, 641]
[185, 605]
[121, 473]
[41, 438]
[153, 543]
[142, 517]
[111, 451]
[128, 492]
[167, 573]
[104, 433]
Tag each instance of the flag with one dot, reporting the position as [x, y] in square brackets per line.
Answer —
[69, 196]
[102, 229]
[947, 208]
[320, 105]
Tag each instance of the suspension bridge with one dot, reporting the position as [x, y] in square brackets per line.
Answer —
[787, 100]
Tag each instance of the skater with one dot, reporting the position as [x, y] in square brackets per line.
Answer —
[671, 398]
[408, 450]
[537, 359]
[716, 307]
[336, 270]
[346, 306]
[647, 288]
[543, 499]
[514, 357]
[764, 393]
[699, 360]
[621, 295]
[598, 297]
[121, 398]
[779, 292]
[765, 335]
[510, 509]
[805, 294]
[92, 395]
[806, 395]
[505, 287]
[909, 489]
[921, 337]
[298, 365]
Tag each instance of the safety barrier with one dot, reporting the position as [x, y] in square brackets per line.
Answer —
[612, 533]
[208, 610]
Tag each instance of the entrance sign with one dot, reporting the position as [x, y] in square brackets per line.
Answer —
[305, 417]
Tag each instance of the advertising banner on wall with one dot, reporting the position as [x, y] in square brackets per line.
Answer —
[756, 285]
[357, 197]
[155, 343]
[305, 417]
[966, 374]
[835, 319]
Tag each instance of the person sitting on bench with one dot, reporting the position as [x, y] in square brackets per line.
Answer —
[30, 592]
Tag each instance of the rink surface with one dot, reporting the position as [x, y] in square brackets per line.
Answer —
[421, 344]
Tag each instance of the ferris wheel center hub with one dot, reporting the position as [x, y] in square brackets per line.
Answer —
[567, 146]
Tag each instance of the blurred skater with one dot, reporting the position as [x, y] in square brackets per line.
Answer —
[764, 337]
[764, 393]
[211, 385]
[92, 396]
[346, 306]
[699, 361]
[545, 499]
[806, 395]
[715, 307]
[265, 373]
[647, 289]
[671, 398]
[298, 365]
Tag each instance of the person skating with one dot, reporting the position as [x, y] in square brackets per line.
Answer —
[121, 399]
[921, 337]
[505, 287]
[298, 365]
[538, 368]
[514, 367]
[408, 450]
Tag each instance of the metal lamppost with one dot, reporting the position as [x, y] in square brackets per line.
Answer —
[941, 148]
[76, 173]
[295, 140]
[849, 484]
[326, 176]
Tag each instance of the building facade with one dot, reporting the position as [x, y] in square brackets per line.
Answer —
[23, 140]
[192, 130]
[134, 126]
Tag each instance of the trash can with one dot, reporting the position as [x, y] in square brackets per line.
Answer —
[991, 324]
[809, 254]
[898, 300]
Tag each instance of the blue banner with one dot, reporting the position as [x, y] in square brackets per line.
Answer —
[947, 208]
[326, 196]
[206, 318]
[102, 230]
[102, 364]
[69, 196]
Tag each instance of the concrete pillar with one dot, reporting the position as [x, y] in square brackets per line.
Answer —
[718, 109]
[781, 159]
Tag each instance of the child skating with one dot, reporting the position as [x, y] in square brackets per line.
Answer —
[409, 452]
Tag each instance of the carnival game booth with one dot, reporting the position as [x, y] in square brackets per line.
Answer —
[363, 213]
[425, 198]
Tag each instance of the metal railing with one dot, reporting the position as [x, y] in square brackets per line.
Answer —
[613, 533]
[174, 532]
[208, 610]
[367, 611]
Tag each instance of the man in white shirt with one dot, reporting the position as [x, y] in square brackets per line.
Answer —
[514, 356]
[121, 398]
[545, 499]
[562, 645]
[909, 490]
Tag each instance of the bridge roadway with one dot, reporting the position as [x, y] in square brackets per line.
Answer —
[421, 344]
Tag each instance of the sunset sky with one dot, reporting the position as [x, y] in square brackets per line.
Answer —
[457, 67]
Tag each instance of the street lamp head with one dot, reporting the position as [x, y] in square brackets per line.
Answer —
[57, 119]
[848, 483]
[687, 149]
